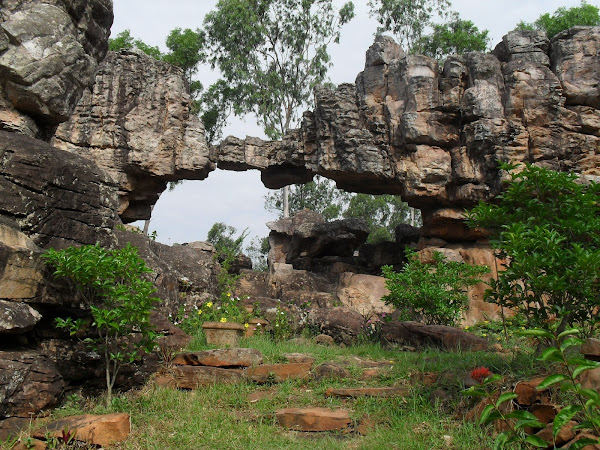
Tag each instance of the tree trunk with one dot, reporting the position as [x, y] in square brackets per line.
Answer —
[286, 201]
[147, 222]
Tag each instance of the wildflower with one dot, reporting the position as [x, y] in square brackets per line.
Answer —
[185, 317]
[484, 335]
[466, 328]
[209, 305]
[486, 321]
[246, 325]
[498, 338]
[218, 307]
[258, 324]
[480, 373]
[199, 311]
[229, 294]
[223, 320]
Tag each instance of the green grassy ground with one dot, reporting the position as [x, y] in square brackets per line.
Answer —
[224, 417]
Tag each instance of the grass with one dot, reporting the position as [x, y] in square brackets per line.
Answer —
[223, 417]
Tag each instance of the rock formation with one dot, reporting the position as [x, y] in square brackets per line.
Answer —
[136, 124]
[49, 52]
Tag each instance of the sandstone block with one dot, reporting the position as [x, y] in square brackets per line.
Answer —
[367, 392]
[279, 372]
[330, 370]
[102, 430]
[192, 377]
[313, 419]
[299, 358]
[232, 357]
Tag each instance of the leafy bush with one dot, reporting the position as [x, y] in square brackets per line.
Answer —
[546, 227]
[112, 285]
[431, 293]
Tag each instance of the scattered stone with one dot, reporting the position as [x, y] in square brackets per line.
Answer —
[425, 378]
[590, 379]
[365, 426]
[591, 349]
[324, 339]
[330, 370]
[299, 358]
[341, 323]
[279, 372]
[527, 393]
[313, 419]
[420, 334]
[409, 348]
[192, 377]
[497, 348]
[545, 412]
[231, 357]
[100, 430]
[367, 392]
[565, 434]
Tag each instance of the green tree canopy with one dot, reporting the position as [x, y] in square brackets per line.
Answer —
[454, 37]
[408, 19]
[124, 41]
[272, 53]
[564, 18]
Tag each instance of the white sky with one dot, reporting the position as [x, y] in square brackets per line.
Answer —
[237, 198]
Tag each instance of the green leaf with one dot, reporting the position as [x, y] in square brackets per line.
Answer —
[580, 369]
[551, 354]
[505, 397]
[536, 441]
[551, 380]
[581, 443]
[536, 332]
[486, 413]
[564, 416]
[570, 332]
[501, 440]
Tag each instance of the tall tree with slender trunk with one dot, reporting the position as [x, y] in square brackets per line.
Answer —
[272, 53]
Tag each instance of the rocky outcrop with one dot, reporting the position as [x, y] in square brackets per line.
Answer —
[56, 198]
[49, 52]
[136, 124]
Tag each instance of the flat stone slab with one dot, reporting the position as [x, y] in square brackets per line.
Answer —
[299, 358]
[100, 430]
[229, 357]
[193, 377]
[367, 392]
[279, 372]
[313, 419]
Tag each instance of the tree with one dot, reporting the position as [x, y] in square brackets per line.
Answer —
[383, 214]
[433, 293]
[454, 37]
[187, 51]
[124, 41]
[319, 195]
[563, 19]
[120, 300]
[407, 19]
[272, 53]
[546, 227]
[222, 236]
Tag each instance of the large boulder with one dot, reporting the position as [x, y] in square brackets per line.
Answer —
[57, 198]
[49, 52]
[137, 125]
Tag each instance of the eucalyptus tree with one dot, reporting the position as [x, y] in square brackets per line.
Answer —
[564, 18]
[272, 53]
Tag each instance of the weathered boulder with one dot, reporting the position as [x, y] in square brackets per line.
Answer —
[55, 197]
[363, 293]
[17, 317]
[443, 336]
[279, 372]
[136, 124]
[49, 52]
[342, 323]
[29, 382]
[193, 377]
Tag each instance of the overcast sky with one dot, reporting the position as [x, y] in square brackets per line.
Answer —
[237, 198]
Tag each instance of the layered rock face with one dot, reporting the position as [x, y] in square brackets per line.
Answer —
[434, 135]
[49, 52]
[135, 123]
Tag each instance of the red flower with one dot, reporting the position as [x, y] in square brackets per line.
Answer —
[480, 374]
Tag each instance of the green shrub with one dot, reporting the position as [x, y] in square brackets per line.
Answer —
[112, 285]
[546, 227]
[431, 293]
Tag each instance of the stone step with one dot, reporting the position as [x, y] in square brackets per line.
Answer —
[313, 419]
[228, 357]
[101, 430]
[367, 392]
[279, 372]
[193, 377]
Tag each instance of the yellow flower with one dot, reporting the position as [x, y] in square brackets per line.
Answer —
[229, 294]
[466, 328]
[199, 311]
[246, 325]
[209, 305]
[223, 320]
[486, 321]
[498, 339]
[484, 335]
